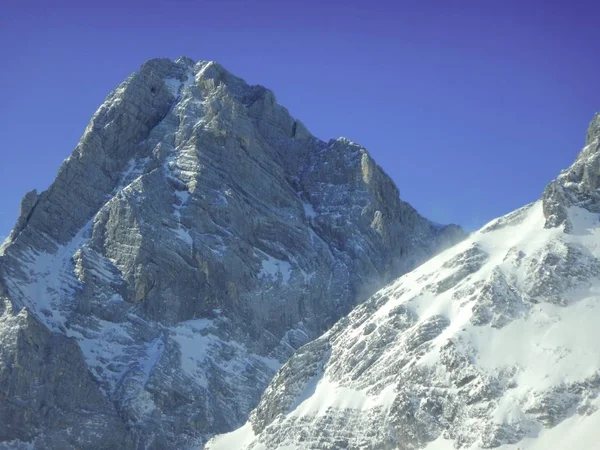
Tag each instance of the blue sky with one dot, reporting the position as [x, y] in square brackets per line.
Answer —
[471, 107]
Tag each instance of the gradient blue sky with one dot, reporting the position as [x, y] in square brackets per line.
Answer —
[471, 107]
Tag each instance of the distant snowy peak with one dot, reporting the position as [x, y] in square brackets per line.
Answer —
[494, 343]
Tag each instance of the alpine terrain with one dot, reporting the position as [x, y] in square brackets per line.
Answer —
[494, 343]
[198, 235]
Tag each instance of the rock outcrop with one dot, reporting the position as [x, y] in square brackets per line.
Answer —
[578, 185]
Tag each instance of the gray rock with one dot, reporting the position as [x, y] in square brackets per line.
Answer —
[196, 237]
[578, 185]
[47, 395]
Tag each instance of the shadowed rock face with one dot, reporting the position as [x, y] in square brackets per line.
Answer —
[45, 384]
[195, 238]
[492, 343]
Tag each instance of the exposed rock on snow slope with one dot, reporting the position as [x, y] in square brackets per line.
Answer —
[494, 343]
[195, 238]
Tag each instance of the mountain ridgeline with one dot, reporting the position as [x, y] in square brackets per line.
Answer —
[197, 236]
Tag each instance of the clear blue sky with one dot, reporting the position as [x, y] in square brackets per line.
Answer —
[470, 106]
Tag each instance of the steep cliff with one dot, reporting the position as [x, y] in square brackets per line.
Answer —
[195, 238]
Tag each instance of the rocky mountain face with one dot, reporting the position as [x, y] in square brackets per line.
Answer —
[197, 236]
[494, 343]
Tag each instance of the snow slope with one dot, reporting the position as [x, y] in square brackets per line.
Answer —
[492, 343]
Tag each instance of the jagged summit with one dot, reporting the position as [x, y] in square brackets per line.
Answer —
[195, 238]
[493, 343]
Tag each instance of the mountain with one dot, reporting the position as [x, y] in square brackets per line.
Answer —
[494, 343]
[195, 238]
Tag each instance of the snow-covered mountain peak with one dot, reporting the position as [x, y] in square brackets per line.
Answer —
[197, 236]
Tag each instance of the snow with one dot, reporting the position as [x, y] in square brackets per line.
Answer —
[154, 351]
[309, 211]
[178, 166]
[546, 347]
[16, 444]
[173, 85]
[531, 237]
[574, 433]
[190, 80]
[233, 440]
[319, 395]
[551, 345]
[51, 277]
[50, 280]
[183, 197]
[551, 340]
[100, 348]
[273, 269]
[194, 348]
[198, 343]
[181, 232]
[184, 235]
[176, 87]
[325, 394]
